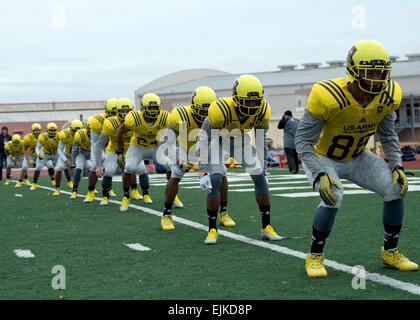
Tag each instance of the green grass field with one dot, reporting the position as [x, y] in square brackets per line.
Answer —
[90, 242]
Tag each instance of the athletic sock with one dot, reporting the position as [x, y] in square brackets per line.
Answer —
[167, 209]
[391, 234]
[265, 216]
[223, 207]
[212, 214]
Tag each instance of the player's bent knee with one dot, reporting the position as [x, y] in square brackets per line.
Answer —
[216, 182]
[260, 182]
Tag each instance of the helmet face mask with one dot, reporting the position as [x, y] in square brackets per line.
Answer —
[248, 95]
[76, 125]
[123, 107]
[202, 97]
[110, 107]
[51, 129]
[16, 139]
[369, 67]
[151, 105]
[36, 129]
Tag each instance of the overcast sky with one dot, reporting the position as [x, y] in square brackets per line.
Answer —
[96, 49]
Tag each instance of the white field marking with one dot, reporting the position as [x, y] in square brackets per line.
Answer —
[137, 247]
[375, 277]
[316, 194]
[24, 253]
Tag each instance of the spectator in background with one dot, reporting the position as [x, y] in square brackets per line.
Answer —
[290, 125]
[4, 138]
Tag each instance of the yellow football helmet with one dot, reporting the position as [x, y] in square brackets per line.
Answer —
[124, 106]
[369, 66]
[248, 94]
[76, 125]
[51, 129]
[202, 97]
[16, 139]
[110, 107]
[88, 126]
[36, 129]
[151, 105]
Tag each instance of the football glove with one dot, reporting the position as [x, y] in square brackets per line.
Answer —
[13, 158]
[41, 155]
[398, 176]
[325, 188]
[205, 182]
[121, 160]
[185, 165]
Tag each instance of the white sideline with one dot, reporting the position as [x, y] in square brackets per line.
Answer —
[375, 277]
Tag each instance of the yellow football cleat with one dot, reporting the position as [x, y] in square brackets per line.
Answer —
[104, 201]
[56, 192]
[315, 266]
[70, 184]
[167, 223]
[212, 237]
[397, 260]
[124, 204]
[112, 193]
[147, 199]
[53, 182]
[135, 195]
[27, 182]
[90, 197]
[7, 182]
[178, 203]
[95, 191]
[33, 187]
[269, 234]
[18, 184]
[226, 220]
[73, 195]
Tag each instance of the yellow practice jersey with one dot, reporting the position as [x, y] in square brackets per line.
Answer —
[66, 136]
[222, 115]
[182, 120]
[110, 129]
[146, 136]
[97, 122]
[82, 138]
[14, 150]
[347, 125]
[30, 141]
[49, 146]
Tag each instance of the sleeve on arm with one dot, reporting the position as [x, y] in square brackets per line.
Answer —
[389, 139]
[306, 137]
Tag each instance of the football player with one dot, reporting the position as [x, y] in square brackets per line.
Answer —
[146, 125]
[64, 162]
[187, 119]
[112, 163]
[46, 151]
[227, 127]
[342, 114]
[29, 144]
[14, 151]
[80, 154]
[96, 124]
